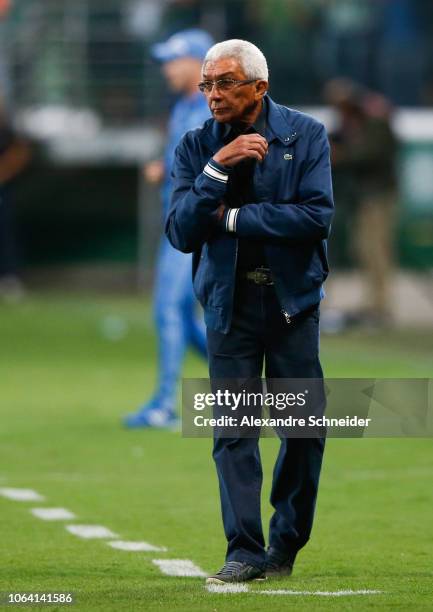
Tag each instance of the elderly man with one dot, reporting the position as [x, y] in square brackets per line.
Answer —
[252, 200]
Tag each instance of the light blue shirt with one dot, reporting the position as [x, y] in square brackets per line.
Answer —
[189, 113]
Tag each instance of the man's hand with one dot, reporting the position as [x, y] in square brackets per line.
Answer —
[246, 146]
[220, 211]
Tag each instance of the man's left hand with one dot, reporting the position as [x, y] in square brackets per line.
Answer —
[220, 212]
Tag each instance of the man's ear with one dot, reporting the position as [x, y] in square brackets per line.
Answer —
[261, 89]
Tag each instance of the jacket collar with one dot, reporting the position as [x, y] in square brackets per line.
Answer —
[278, 127]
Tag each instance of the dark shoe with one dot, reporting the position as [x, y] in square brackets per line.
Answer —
[278, 563]
[236, 571]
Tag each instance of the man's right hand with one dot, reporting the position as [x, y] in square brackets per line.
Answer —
[246, 146]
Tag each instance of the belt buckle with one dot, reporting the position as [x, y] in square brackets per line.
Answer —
[262, 276]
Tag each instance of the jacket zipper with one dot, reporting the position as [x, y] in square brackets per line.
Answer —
[283, 312]
[234, 280]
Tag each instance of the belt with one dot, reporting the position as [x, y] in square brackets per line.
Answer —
[260, 276]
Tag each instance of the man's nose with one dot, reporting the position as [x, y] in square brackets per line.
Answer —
[214, 93]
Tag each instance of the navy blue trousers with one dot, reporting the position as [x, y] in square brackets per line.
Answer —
[260, 335]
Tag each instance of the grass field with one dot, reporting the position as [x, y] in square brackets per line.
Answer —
[72, 367]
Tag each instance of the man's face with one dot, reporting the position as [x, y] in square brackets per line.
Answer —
[236, 104]
[179, 73]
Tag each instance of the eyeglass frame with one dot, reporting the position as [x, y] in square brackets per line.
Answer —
[235, 82]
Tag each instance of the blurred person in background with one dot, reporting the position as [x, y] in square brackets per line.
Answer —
[14, 157]
[364, 152]
[177, 322]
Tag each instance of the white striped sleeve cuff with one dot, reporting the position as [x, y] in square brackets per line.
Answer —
[231, 218]
[214, 173]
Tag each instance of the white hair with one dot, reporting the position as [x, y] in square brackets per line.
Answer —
[250, 58]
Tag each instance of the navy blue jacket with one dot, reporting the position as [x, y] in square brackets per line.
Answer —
[292, 214]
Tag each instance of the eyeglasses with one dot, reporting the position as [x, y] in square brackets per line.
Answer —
[223, 84]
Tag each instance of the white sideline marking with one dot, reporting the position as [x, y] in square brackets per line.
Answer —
[178, 567]
[136, 546]
[227, 588]
[21, 494]
[53, 514]
[320, 593]
[243, 588]
[90, 531]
